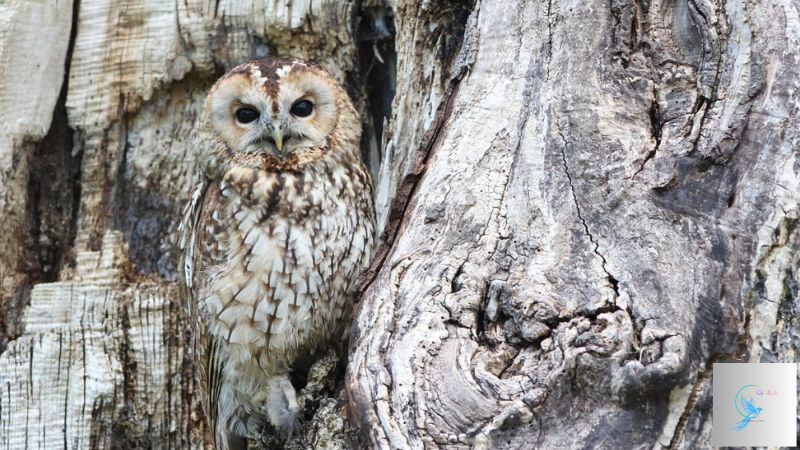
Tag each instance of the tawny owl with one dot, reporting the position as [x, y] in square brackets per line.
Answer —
[273, 239]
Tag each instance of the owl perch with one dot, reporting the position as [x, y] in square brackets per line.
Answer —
[578, 208]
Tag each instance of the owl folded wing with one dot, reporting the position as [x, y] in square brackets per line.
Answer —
[198, 250]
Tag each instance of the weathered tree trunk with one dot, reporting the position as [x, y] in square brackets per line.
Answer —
[583, 204]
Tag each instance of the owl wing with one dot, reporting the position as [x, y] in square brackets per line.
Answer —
[200, 249]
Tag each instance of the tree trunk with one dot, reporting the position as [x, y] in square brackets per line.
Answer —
[583, 206]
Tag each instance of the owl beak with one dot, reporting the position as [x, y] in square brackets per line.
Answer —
[277, 135]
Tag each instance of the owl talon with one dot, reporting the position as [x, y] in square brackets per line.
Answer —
[282, 407]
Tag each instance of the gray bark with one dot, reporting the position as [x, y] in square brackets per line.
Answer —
[607, 206]
[583, 205]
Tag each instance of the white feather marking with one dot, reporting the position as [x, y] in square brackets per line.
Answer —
[212, 304]
[263, 310]
[247, 219]
[263, 245]
[282, 311]
[234, 312]
[274, 278]
[284, 294]
[188, 262]
[282, 71]
[252, 236]
[190, 215]
[237, 354]
[314, 282]
[300, 285]
[278, 265]
[250, 294]
[264, 252]
[244, 334]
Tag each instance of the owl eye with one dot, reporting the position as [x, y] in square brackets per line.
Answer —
[246, 115]
[302, 108]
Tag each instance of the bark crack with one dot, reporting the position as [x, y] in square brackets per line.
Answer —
[612, 280]
[549, 39]
[656, 127]
[703, 376]
[409, 184]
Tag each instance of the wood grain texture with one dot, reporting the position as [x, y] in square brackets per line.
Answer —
[135, 78]
[29, 89]
[99, 363]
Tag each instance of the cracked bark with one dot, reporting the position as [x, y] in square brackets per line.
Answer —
[598, 258]
[583, 206]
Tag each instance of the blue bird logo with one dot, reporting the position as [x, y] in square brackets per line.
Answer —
[746, 407]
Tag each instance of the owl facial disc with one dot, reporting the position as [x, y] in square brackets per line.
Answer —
[278, 107]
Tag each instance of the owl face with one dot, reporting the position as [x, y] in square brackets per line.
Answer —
[275, 106]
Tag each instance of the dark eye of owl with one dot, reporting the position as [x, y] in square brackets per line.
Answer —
[302, 108]
[246, 115]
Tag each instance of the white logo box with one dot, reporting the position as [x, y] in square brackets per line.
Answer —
[755, 404]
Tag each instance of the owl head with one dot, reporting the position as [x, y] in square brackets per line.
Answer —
[280, 108]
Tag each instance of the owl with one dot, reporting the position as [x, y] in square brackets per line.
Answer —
[272, 240]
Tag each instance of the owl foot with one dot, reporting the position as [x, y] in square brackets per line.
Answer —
[282, 408]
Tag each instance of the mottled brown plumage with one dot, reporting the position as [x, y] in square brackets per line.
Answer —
[273, 238]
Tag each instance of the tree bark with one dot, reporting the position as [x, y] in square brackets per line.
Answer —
[606, 206]
[582, 205]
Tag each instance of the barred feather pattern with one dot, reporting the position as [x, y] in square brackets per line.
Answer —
[269, 255]
[279, 255]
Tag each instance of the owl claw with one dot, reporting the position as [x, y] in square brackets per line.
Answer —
[282, 407]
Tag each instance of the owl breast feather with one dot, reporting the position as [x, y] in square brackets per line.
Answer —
[294, 244]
